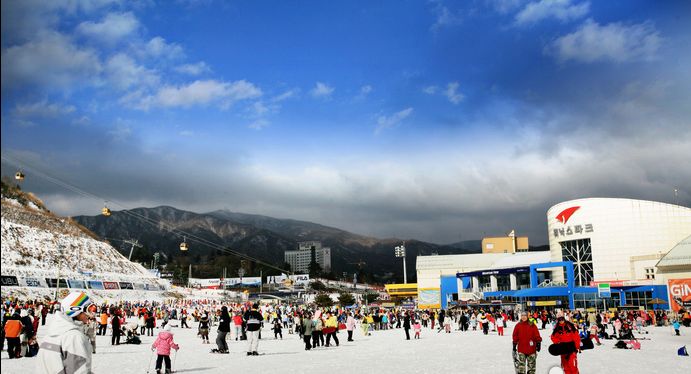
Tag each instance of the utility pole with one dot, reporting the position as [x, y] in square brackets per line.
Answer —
[261, 281]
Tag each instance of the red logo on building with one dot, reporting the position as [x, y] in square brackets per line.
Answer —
[565, 214]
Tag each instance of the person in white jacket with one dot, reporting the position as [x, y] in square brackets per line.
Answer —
[66, 348]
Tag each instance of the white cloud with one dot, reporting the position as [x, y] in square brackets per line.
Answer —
[259, 124]
[50, 61]
[612, 42]
[194, 69]
[158, 47]
[452, 93]
[365, 90]
[430, 90]
[186, 133]
[112, 28]
[42, 109]
[259, 108]
[446, 18]
[563, 10]
[285, 96]
[200, 92]
[322, 90]
[123, 72]
[387, 122]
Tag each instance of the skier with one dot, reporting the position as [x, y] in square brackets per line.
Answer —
[65, 348]
[164, 342]
[418, 329]
[526, 342]
[254, 323]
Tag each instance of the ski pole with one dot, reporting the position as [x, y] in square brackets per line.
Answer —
[151, 357]
[175, 357]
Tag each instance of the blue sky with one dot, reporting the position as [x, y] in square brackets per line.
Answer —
[433, 120]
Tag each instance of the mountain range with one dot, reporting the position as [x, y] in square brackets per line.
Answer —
[261, 237]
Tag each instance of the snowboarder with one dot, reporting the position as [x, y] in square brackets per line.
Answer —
[565, 332]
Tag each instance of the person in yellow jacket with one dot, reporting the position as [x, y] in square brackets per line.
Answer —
[330, 329]
[365, 326]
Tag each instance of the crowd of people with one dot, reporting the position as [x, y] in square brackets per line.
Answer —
[72, 332]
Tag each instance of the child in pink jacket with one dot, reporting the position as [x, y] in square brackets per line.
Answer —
[417, 328]
[163, 344]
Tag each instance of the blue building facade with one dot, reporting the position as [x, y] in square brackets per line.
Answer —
[546, 294]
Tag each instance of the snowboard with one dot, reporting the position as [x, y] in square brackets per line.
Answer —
[218, 352]
[558, 349]
[515, 360]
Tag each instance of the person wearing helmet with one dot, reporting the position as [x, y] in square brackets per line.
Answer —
[66, 348]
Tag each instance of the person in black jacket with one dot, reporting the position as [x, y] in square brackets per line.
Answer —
[115, 323]
[406, 325]
[223, 329]
[254, 323]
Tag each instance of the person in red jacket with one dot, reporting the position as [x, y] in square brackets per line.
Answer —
[526, 344]
[566, 332]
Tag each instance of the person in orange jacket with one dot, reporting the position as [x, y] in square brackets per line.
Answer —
[565, 332]
[103, 326]
[13, 328]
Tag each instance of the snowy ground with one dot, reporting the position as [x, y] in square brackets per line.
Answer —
[384, 351]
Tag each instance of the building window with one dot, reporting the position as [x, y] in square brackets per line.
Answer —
[649, 273]
[580, 253]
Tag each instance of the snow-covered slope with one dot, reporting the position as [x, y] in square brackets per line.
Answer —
[38, 244]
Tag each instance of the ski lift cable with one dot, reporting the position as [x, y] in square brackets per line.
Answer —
[138, 216]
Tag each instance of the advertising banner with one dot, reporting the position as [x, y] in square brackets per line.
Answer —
[111, 286]
[95, 285]
[52, 283]
[34, 282]
[243, 282]
[74, 283]
[212, 283]
[9, 280]
[679, 293]
[139, 286]
[126, 286]
[429, 298]
[298, 279]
